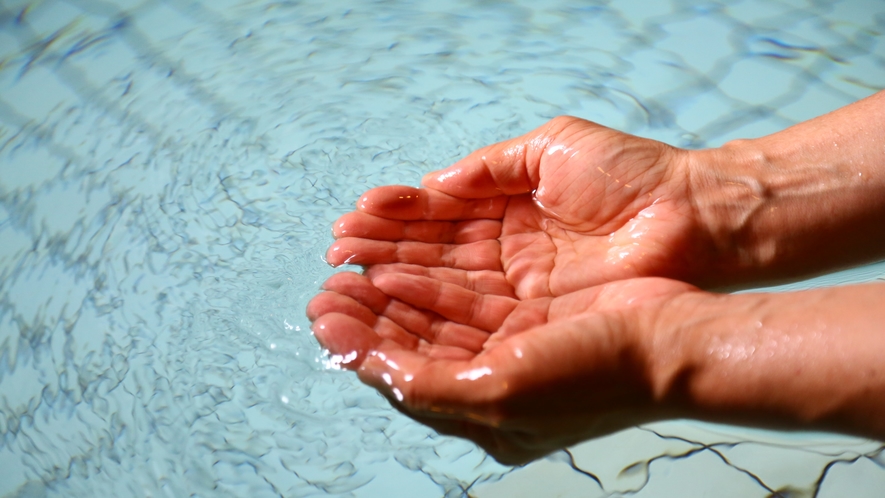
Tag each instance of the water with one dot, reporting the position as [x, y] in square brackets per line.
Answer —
[169, 172]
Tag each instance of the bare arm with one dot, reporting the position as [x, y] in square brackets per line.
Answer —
[805, 200]
[809, 359]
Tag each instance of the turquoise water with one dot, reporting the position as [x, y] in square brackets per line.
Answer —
[169, 171]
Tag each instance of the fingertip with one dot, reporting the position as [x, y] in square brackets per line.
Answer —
[396, 284]
[358, 224]
[381, 279]
[498, 169]
[392, 201]
[345, 337]
[334, 302]
[336, 255]
[340, 282]
[315, 307]
[435, 178]
[340, 227]
[427, 180]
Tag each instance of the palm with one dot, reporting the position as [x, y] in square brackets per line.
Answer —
[569, 206]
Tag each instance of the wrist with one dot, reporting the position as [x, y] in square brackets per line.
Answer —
[707, 361]
[808, 359]
[668, 350]
[778, 208]
[729, 189]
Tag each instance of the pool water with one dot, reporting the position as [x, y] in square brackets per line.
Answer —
[169, 171]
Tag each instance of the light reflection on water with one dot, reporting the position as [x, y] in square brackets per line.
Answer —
[169, 172]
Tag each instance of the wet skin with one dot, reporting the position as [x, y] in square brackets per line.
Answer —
[517, 298]
[515, 236]
[570, 205]
[500, 371]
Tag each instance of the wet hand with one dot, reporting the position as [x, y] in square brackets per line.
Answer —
[565, 207]
[521, 378]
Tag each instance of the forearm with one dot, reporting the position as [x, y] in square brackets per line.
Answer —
[814, 358]
[808, 199]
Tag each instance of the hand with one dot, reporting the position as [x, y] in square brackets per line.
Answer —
[500, 304]
[565, 207]
[520, 378]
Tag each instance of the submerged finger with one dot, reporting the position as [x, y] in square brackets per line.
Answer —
[399, 202]
[482, 281]
[482, 311]
[363, 225]
[481, 255]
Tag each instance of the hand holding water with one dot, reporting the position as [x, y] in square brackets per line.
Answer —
[521, 378]
[509, 302]
[567, 206]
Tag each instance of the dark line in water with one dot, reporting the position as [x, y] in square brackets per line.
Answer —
[574, 466]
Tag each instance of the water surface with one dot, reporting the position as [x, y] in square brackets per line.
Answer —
[169, 171]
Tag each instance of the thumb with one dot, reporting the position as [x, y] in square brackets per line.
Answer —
[511, 167]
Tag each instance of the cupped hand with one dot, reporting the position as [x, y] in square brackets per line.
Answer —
[567, 206]
[521, 378]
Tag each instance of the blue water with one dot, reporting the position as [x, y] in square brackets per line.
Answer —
[169, 171]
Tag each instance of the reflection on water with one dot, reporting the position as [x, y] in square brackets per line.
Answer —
[169, 171]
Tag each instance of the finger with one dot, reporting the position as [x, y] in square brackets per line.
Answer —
[348, 338]
[332, 302]
[482, 255]
[443, 352]
[482, 311]
[434, 329]
[364, 225]
[350, 342]
[535, 371]
[392, 319]
[463, 388]
[359, 288]
[483, 281]
[527, 315]
[388, 329]
[510, 167]
[397, 202]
